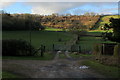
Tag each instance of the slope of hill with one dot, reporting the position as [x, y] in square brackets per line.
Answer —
[103, 20]
[81, 21]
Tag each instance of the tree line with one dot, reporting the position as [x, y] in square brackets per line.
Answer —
[20, 22]
[40, 22]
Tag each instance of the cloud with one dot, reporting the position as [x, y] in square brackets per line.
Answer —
[72, 6]
[107, 12]
[52, 7]
[97, 7]
[111, 9]
[6, 3]
[47, 8]
[66, 0]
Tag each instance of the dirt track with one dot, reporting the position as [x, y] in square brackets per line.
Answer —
[60, 68]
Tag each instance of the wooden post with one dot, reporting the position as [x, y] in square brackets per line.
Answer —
[78, 38]
[53, 47]
[44, 48]
[71, 48]
[103, 49]
[42, 51]
[102, 52]
[79, 49]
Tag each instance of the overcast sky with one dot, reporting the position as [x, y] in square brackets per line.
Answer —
[47, 8]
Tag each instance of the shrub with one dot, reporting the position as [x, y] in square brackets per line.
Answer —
[117, 50]
[17, 48]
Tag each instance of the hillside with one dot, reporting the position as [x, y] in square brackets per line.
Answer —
[82, 22]
[103, 20]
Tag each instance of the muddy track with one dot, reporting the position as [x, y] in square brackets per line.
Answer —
[60, 68]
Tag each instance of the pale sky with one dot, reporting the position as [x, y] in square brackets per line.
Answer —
[48, 8]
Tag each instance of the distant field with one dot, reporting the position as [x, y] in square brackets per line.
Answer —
[47, 38]
[52, 29]
[87, 42]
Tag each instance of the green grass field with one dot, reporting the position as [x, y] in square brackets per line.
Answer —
[87, 42]
[52, 29]
[47, 38]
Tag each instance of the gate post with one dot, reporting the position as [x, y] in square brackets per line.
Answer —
[53, 47]
[79, 50]
[71, 48]
[42, 51]
[44, 48]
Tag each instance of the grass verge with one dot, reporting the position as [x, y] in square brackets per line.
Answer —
[9, 75]
[46, 57]
[108, 71]
[76, 55]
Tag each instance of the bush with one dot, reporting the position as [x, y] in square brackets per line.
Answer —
[20, 22]
[117, 50]
[17, 48]
[97, 49]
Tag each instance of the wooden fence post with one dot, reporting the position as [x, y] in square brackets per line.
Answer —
[71, 48]
[79, 50]
[42, 51]
[44, 48]
[53, 47]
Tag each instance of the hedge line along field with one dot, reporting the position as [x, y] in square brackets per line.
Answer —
[47, 38]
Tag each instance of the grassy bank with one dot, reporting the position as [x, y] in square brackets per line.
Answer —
[47, 56]
[9, 75]
[108, 71]
[77, 56]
